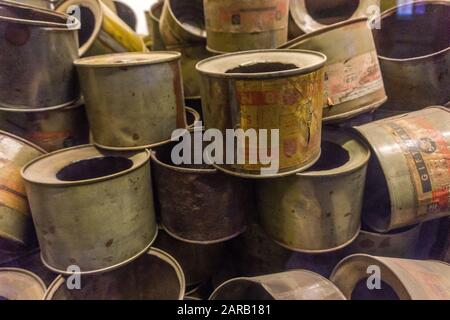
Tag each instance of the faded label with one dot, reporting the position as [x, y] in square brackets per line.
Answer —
[12, 189]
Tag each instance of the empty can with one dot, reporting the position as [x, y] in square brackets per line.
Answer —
[153, 22]
[19, 284]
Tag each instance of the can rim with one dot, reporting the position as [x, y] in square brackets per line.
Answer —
[30, 274]
[17, 108]
[24, 141]
[128, 59]
[179, 24]
[157, 5]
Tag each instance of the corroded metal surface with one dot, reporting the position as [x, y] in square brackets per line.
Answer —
[19, 284]
[153, 26]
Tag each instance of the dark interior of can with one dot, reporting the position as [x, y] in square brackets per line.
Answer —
[94, 168]
[333, 156]
[242, 290]
[262, 67]
[87, 19]
[328, 12]
[190, 14]
[29, 14]
[362, 292]
[414, 31]
[127, 14]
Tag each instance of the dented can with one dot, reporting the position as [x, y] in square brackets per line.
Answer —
[153, 26]
[20, 284]
[408, 176]
[235, 25]
[84, 224]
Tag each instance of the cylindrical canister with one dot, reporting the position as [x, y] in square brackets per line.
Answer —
[154, 276]
[126, 13]
[353, 80]
[137, 116]
[19, 284]
[408, 176]
[91, 209]
[290, 285]
[274, 92]
[399, 279]
[16, 227]
[38, 48]
[51, 130]
[318, 210]
[102, 31]
[153, 22]
[235, 25]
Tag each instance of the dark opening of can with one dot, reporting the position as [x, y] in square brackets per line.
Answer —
[190, 14]
[94, 168]
[362, 292]
[333, 156]
[329, 12]
[262, 67]
[164, 155]
[87, 19]
[29, 14]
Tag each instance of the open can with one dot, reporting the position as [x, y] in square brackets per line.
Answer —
[19, 284]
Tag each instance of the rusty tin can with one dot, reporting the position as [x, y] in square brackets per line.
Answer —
[154, 276]
[235, 25]
[408, 176]
[20, 284]
[153, 26]
[401, 279]
[353, 79]
[137, 116]
[279, 90]
[98, 199]
[36, 59]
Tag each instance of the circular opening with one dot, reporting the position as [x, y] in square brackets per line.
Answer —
[362, 292]
[87, 19]
[126, 13]
[414, 30]
[190, 14]
[333, 156]
[164, 155]
[94, 168]
[329, 12]
[262, 67]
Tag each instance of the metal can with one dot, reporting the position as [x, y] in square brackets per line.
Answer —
[408, 176]
[153, 17]
[279, 90]
[318, 210]
[127, 109]
[401, 279]
[19, 284]
[154, 276]
[353, 79]
[102, 31]
[192, 117]
[98, 199]
[16, 226]
[36, 59]
[290, 285]
[235, 25]
[126, 13]
[44, 4]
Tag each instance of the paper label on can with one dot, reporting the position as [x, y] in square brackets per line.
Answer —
[428, 156]
[246, 16]
[12, 189]
[353, 78]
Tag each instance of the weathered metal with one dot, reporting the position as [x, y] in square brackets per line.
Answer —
[318, 210]
[102, 31]
[154, 276]
[267, 89]
[290, 285]
[137, 116]
[192, 117]
[235, 25]
[44, 4]
[402, 279]
[101, 213]
[16, 226]
[408, 176]
[415, 64]
[38, 48]
[19, 284]
[51, 130]
[353, 80]
[153, 26]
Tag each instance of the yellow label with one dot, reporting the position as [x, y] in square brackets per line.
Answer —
[12, 189]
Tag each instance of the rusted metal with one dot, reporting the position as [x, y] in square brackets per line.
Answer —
[84, 224]
[408, 176]
[402, 279]
[19, 284]
[38, 48]
[235, 25]
[353, 80]
[16, 226]
[154, 276]
[134, 117]
[248, 90]
[153, 26]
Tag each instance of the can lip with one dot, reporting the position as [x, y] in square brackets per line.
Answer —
[48, 165]
[24, 141]
[16, 108]
[394, 233]
[199, 36]
[153, 8]
[128, 59]
[32, 276]
[218, 65]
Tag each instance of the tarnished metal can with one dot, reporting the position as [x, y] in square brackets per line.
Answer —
[415, 64]
[313, 15]
[102, 31]
[16, 226]
[101, 214]
[38, 48]
[137, 116]
[353, 79]
[267, 91]
[235, 25]
[153, 26]
[408, 176]
[290, 285]
[19, 284]
[318, 210]
[154, 276]
[51, 130]
[401, 279]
